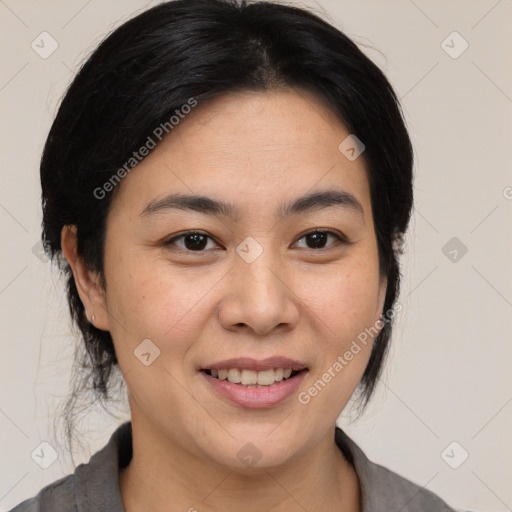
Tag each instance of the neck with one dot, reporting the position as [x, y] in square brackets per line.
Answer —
[321, 479]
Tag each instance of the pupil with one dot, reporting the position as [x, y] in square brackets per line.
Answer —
[318, 239]
[198, 241]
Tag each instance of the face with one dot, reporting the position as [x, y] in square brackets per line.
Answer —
[254, 290]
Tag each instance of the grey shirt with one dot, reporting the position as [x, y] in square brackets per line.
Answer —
[94, 487]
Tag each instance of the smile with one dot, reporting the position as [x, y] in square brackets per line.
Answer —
[251, 378]
[254, 389]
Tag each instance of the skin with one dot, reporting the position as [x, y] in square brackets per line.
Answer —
[255, 150]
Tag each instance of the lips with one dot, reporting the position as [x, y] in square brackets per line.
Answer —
[247, 363]
[255, 396]
[255, 383]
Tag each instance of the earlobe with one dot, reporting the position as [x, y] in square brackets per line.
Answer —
[87, 281]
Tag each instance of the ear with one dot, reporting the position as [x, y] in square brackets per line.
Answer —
[87, 281]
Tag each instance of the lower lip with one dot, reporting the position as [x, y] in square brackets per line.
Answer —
[256, 398]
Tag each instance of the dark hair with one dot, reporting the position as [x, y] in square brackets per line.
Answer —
[155, 63]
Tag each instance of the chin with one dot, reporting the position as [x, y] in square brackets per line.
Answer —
[253, 450]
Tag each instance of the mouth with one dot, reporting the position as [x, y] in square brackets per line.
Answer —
[252, 378]
[251, 383]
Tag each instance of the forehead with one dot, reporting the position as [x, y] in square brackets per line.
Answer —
[251, 148]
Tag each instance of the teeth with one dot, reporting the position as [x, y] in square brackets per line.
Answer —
[266, 377]
[251, 377]
[234, 375]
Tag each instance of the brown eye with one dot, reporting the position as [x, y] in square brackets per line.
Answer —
[318, 239]
[192, 241]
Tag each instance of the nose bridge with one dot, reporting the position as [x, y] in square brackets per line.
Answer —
[260, 297]
[258, 268]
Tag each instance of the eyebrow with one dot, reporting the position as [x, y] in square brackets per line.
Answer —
[202, 204]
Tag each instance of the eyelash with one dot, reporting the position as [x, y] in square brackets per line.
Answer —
[340, 239]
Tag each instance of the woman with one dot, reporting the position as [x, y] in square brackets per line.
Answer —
[226, 187]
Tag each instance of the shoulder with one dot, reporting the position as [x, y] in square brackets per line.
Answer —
[58, 496]
[383, 489]
[397, 491]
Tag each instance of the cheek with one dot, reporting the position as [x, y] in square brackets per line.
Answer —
[345, 306]
[147, 300]
[345, 301]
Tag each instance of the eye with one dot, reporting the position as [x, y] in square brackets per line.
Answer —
[193, 241]
[196, 241]
[318, 238]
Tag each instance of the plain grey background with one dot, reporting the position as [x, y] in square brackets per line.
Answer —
[446, 392]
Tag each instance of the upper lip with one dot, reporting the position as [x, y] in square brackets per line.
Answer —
[248, 363]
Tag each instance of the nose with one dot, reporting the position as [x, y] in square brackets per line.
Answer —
[260, 297]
